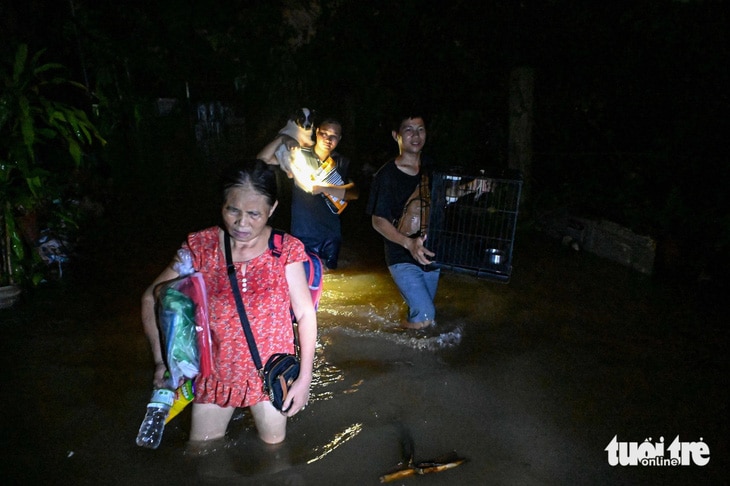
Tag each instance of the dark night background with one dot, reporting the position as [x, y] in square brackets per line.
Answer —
[630, 98]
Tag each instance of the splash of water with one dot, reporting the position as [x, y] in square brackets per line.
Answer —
[432, 339]
[369, 305]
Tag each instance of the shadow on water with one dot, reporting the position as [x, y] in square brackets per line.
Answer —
[528, 380]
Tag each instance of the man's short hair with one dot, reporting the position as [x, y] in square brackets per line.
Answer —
[398, 120]
[406, 109]
[330, 121]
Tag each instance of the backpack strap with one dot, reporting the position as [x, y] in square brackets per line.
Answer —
[276, 242]
[312, 266]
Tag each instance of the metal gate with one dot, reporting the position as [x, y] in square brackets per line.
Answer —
[472, 223]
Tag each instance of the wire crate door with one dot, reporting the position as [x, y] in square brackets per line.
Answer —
[472, 223]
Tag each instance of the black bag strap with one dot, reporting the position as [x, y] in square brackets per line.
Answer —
[239, 304]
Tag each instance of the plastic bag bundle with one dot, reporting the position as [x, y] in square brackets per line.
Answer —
[183, 319]
[177, 323]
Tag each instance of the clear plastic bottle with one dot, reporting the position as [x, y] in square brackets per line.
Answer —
[153, 425]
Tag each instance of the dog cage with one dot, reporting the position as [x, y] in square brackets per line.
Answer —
[472, 222]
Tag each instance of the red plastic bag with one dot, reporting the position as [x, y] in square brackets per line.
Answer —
[194, 287]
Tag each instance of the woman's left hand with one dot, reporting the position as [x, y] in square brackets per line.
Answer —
[298, 396]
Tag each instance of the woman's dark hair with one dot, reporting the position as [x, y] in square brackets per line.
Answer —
[254, 173]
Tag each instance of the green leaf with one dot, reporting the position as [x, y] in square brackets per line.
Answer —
[16, 242]
[75, 150]
[37, 279]
[47, 67]
[34, 184]
[27, 126]
[47, 133]
[6, 108]
[36, 56]
[20, 57]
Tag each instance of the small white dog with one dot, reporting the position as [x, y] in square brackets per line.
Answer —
[300, 127]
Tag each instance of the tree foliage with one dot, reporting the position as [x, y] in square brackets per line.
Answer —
[42, 140]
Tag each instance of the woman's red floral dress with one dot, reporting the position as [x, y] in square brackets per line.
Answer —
[234, 380]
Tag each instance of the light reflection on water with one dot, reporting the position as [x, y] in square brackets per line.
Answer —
[362, 307]
[366, 304]
[339, 439]
[365, 301]
[325, 374]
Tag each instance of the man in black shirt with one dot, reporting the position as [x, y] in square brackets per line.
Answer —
[398, 186]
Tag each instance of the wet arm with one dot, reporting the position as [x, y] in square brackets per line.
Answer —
[149, 323]
[267, 154]
[306, 316]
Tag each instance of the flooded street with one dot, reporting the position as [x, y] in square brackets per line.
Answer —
[529, 381]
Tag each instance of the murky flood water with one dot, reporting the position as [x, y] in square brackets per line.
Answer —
[529, 381]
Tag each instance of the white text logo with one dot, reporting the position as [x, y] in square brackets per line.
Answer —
[650, 453]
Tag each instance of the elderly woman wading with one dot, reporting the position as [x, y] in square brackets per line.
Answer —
[270, 286]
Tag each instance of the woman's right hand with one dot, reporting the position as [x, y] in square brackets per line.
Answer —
[159, 380]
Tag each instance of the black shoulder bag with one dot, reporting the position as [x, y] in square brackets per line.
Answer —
[281, 368]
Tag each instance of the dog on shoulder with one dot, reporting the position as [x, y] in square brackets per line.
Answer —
[300, 127]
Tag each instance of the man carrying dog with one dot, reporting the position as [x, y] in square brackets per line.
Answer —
[317, 201]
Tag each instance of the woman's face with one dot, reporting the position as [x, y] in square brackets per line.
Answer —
[245, 213]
